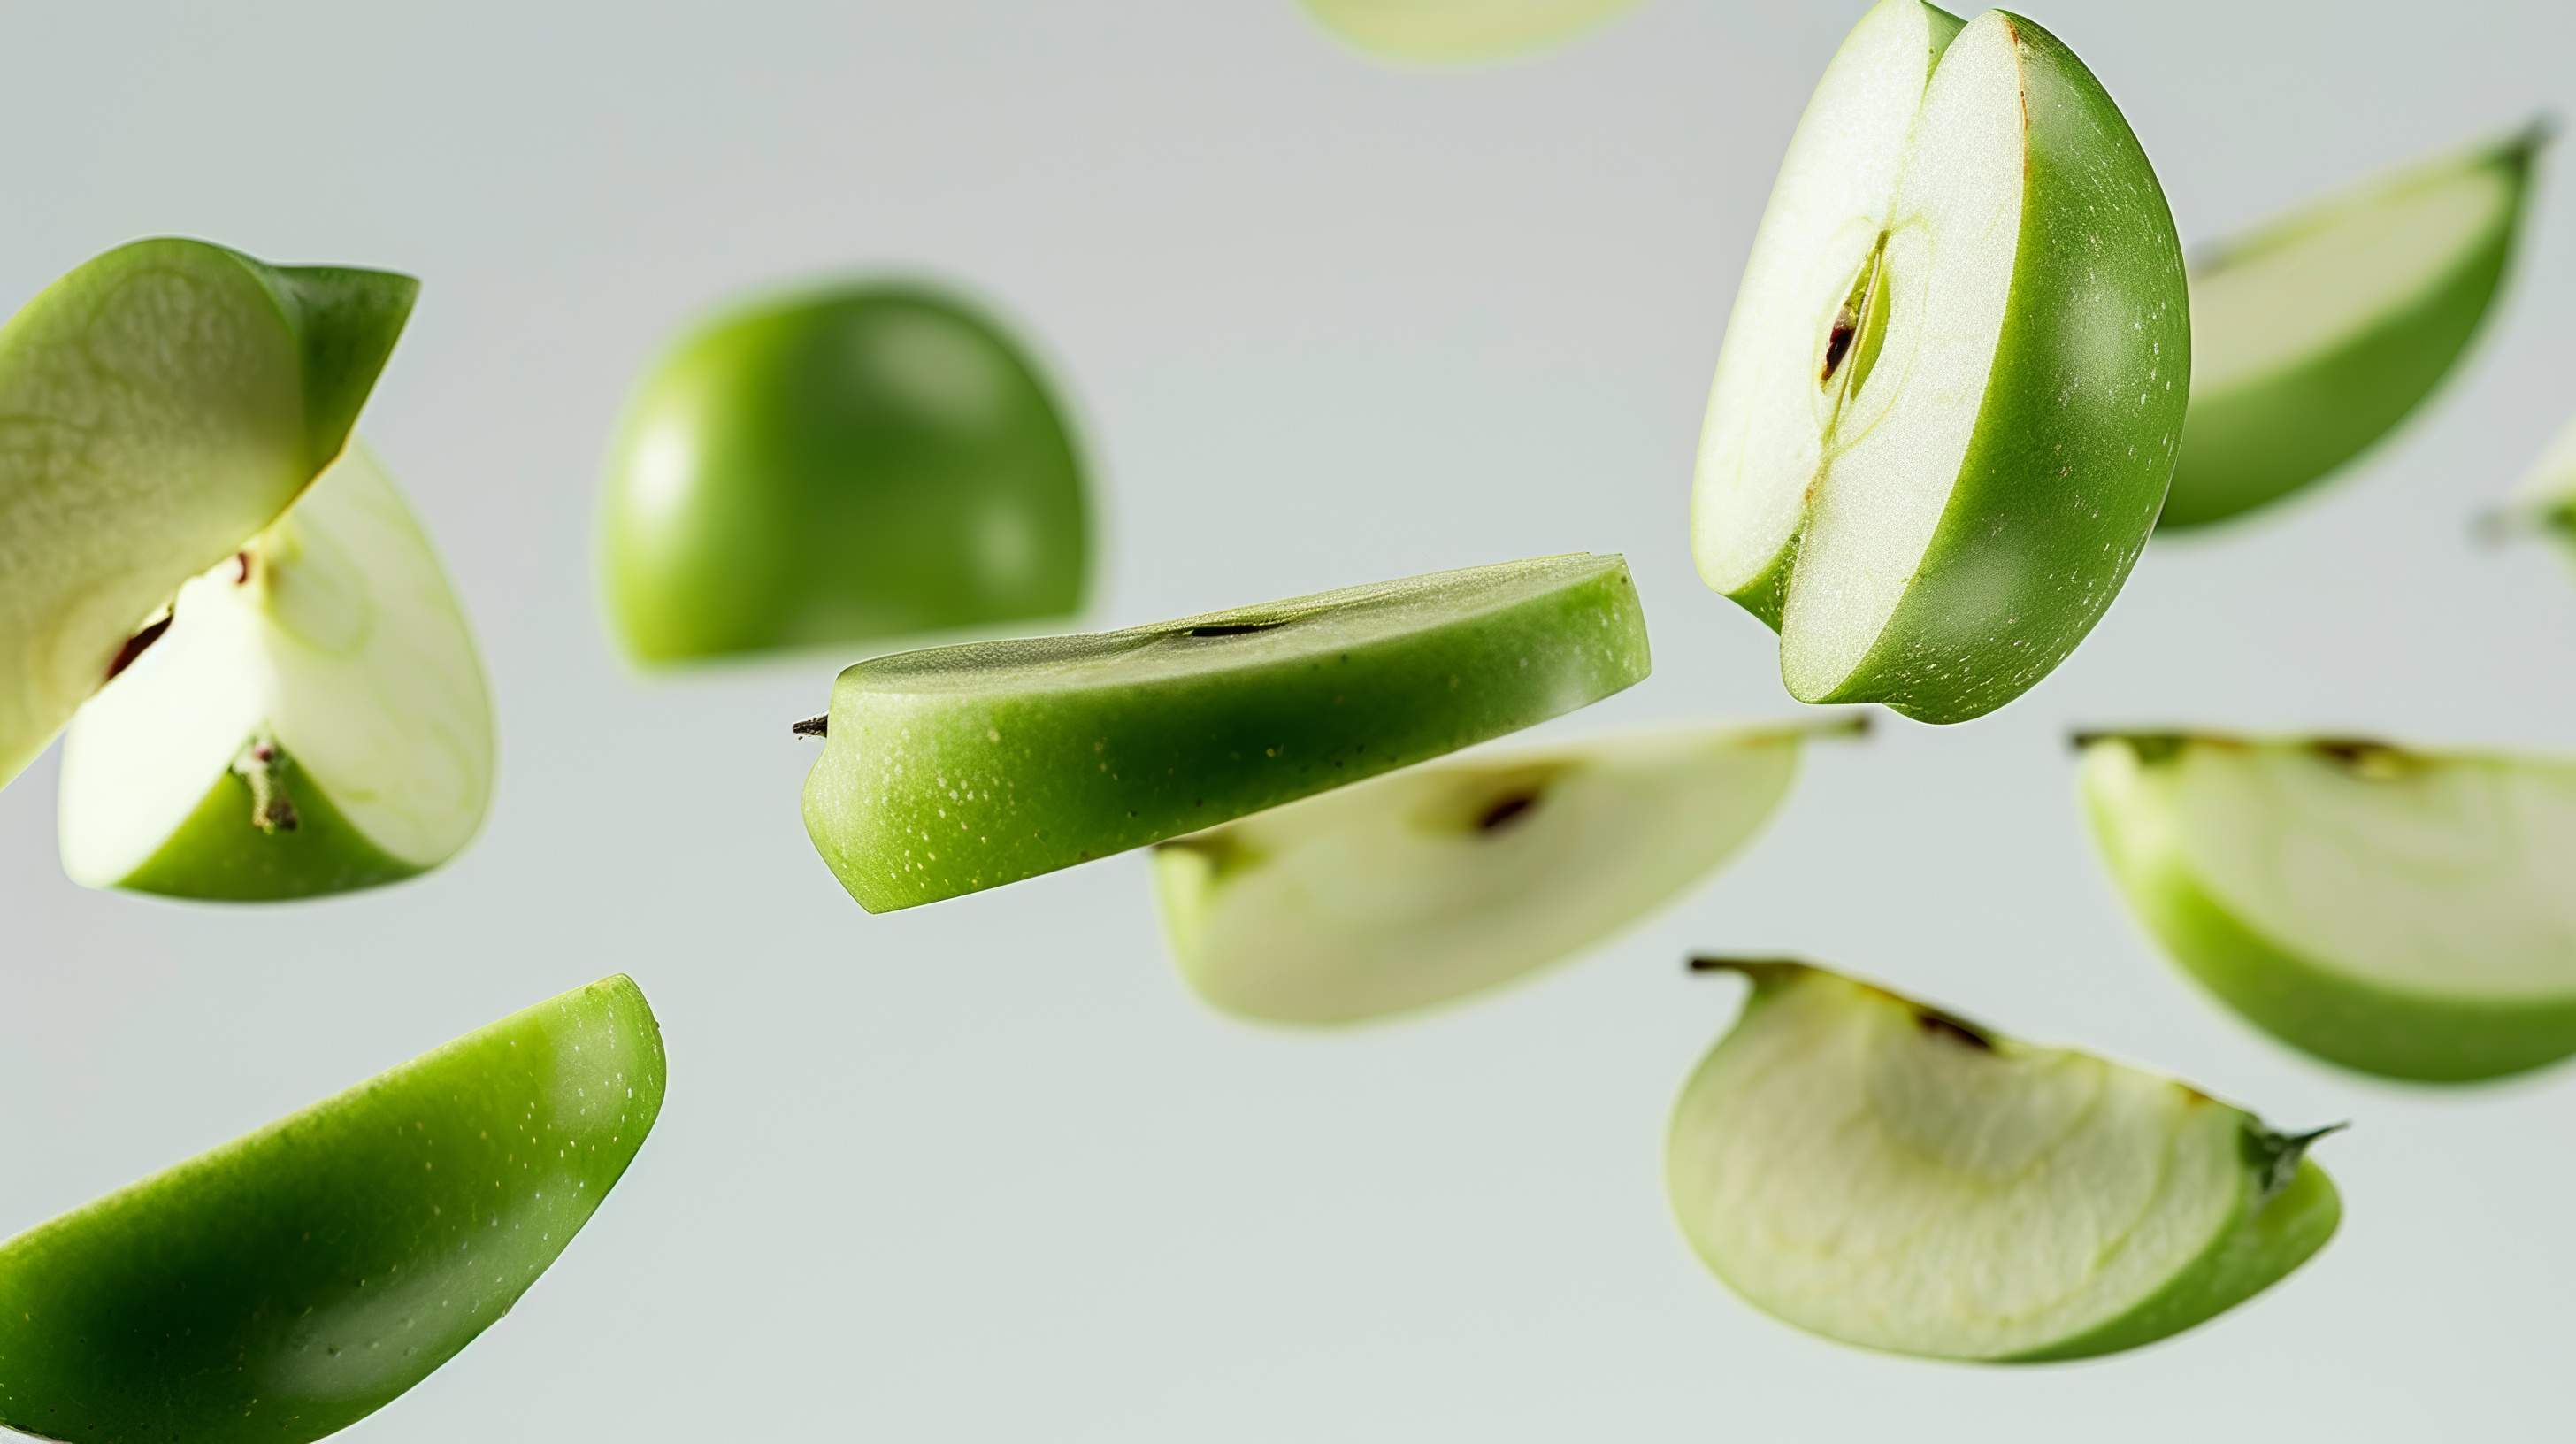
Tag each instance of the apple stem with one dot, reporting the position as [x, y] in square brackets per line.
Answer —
[814, 726]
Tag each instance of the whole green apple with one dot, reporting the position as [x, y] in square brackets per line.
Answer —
[1433, 32]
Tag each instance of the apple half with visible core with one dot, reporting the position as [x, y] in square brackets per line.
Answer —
[962, 768]
[1437, 32]
[297, 1279]
[864, 461]
[1449, 878]
[2315, 334]
[1886, 1174]
[159, 404]
[2408, 914]
[312, 719]
[1953, 383]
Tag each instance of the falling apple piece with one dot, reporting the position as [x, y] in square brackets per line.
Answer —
[2545, 502]
[1437, 32]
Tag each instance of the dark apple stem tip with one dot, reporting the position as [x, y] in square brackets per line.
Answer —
[814, 726]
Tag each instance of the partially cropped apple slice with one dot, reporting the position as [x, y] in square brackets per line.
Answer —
[2409, 914]
[1449, 878]
[313, 719]
[1953, 384]
[2545, 502]
[1434, 32]
[1883, 1173]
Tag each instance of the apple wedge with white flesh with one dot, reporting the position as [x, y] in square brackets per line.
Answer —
[1449, 32]
[1449, 878]
[2545, 502]
[1953, 384]
[2314, 335]
[1885, 1174]
[158, 406]
[962, 768]
[314, 718]
[2407, 914]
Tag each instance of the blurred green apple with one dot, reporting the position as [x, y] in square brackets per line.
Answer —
[1433, 32]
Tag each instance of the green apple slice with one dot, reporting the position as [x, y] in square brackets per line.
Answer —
[1452, 877]
[292, 1282]
[1438, 32]
[1951, 389]
[159, 404]
[1885, 1174]
[864, 461]
[2315, 334]
[962, 768]
[313, 720]
[2408, 914]
[2545, 502]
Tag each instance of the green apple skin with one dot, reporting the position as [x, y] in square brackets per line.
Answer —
[963, 768]
[294, 1281]
[1438, 32]
[216, 856]
[162, 402]
[856, 463]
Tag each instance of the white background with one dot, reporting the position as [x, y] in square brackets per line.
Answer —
[984, 1170]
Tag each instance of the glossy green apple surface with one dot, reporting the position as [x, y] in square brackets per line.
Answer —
[313, 719]
[2315, 334]
[159, 405]
[962, 768]
[294, 1281]
[1885, 1174]
[1953, 383]
[860, 462]
[2409, 914]
[1433, 32]
[1449, 878]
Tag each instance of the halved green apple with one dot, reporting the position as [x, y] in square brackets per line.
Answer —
[1885, 1174]
[1433, 32]
[2315, 334]
[312, 720]
[1953, 383]
[1452, 877]
[2409, 914]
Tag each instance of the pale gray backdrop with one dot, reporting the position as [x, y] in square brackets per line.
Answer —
[984, 1171]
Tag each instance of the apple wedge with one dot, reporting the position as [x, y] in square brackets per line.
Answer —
[962, 768]
[2545, 502]
[1452, 877]
[290, 1283]
[313, 719]
[2315, 334]
[1885, 1174]
[1447, 32]
[2408, 914]
[161, 404]
[1951, 390]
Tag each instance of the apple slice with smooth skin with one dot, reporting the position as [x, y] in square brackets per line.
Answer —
[1954, 379]
[312, 720]
[157, 406]
[2408, 914]
[1438, 32]
[962, 768]
[292, 1282]
[1885, 1174]
[1452, 877]
[2315, 334]
[864, 461]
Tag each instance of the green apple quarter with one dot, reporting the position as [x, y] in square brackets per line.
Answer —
[312, 719]
[292, 1282]
[1952, 386]
[2315, 334]
[157, 406]
[1434, 32]
[863, 461]
[1883, 1173]
[1449, 878]
[2403, 913]
[962, 768]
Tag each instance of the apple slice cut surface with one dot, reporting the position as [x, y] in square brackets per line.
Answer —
[2409, 914]
[1951, 390]
[1885, 1174]
[1434, 32]
[962, 768]
[1449, 878]
[292, 1282]
[314, 718]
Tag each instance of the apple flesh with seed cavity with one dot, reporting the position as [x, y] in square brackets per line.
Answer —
[1435, 32]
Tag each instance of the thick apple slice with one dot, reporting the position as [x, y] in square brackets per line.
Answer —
[1954, 380]
[160, 404]
[1435, 32]
[1445, 879]
[292, 1282]
[2403, 913]
[1885, 1174]
[963, 768]
[313, 720]
[2315, 334]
